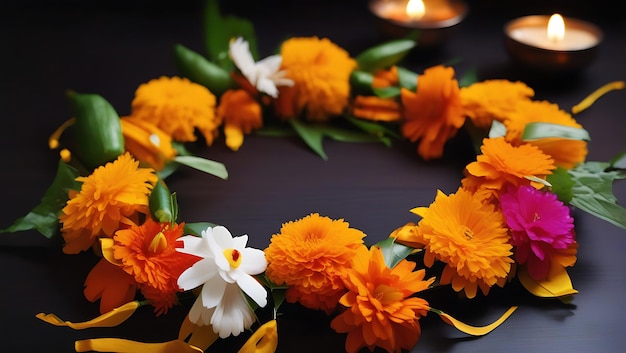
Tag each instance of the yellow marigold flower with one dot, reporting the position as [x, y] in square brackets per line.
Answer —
[108, 198]
[377, 109]
[491, 100]
[310, 255]
[241, 114]
[321, 72]
[433, 114]
[178, 107]
[382, 309]
[470, 237]
[502, 164]
[566, 152]
[147, 143]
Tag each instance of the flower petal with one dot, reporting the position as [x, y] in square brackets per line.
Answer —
[253, 261]
[213, 292]
[199, 273]
[194, 246]
[253, 289]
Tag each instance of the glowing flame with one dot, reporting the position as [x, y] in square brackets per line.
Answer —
[415, 9]
[556, 28]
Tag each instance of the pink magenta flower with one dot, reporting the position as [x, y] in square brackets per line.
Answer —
[540, 225]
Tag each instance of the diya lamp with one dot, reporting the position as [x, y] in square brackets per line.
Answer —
[434, 20]
[552, 44]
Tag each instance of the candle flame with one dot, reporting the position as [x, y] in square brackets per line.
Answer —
[556, 28]
[415, 9]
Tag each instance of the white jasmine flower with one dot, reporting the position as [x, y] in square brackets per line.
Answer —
[226, 269]
[264, 74]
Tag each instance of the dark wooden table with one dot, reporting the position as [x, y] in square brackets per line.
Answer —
[110, 47]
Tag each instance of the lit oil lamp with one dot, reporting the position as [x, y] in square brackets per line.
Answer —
[434, 20]
[552, 44]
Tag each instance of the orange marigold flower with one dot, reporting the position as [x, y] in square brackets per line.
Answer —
[502, 164]
[147, 143]
[386, 78]
[470, 237]
[310, 255]
[376, 108]
[148, 253]
[433, 114]
[178, 107]
[321, 71]
[241, 114]
[109, 198]
[110, 284]
[566, 152]
[491, 100]
[382, 311]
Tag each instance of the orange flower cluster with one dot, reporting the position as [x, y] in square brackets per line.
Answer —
[382, 310]
[320, 70]
[438, 108]
[310, 255]
[178, 107]
[112, 197]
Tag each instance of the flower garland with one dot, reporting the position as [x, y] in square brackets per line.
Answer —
[510, 218]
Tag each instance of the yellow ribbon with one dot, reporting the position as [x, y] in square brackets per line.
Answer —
[474, 330]
[590, 99]
[53, 140]
[264, 340]
[110, 319]
[119, 345]
[197, 336]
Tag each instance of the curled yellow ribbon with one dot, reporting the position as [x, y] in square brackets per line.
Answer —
[109, 319]
[264, 340]
[475, 330]
[119, 345]
[197, 336]
[53, 140]
[590, 99]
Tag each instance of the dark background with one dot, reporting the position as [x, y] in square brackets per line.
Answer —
[110, 47]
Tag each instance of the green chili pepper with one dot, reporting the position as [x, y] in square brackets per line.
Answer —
[384, 55]
[163, 206]
[198, 69]
[98, 129]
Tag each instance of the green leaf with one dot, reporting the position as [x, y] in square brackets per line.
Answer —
[592, 191]
[44, 217]
[98, 129]
[205, 165]
[198, 69]
[279, 292]
[468, 78]
[393, 252]
[562, 184]
[311, 137]
[619, 161]
[407, 78]
[219, 30]
[384, 55]
[361, 80]
[344, 135]
[535, 131]
[387, 92]
[373, 128]
[275, 131]
[197, 228]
